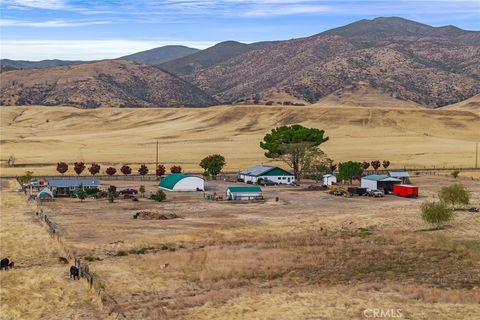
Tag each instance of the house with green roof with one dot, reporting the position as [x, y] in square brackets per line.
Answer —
[271, 173]
[182, 182]
[244, 193]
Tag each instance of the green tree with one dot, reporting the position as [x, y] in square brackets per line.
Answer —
[436, 213]
[455, 173]
[213, 164]
[142, 190]
[349, 170]
[159, 196]
[81, 194]
[316, 164]
[26, 178]
[454, 194]
[292, 144]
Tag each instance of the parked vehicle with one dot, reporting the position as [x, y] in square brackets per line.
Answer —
[128, 191]
[267, 182]
[357, 191]
[404, 190]
[375, 193]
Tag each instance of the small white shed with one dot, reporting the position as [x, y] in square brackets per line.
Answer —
[329, 179]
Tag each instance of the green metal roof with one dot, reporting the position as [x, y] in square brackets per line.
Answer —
[45, 193]
[262, 170]
[244, 189]
[171, 180]
[380, 177]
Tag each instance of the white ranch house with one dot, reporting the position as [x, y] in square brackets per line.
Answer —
[271, 173]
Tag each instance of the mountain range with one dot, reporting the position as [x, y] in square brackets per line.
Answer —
[392, 57]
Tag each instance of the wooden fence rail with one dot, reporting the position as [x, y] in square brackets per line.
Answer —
[108, 302]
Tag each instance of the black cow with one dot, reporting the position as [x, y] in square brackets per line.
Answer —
[4, 263]
[74, 273]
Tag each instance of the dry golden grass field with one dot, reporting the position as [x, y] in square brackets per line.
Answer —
[38, 287]
[39, 137]
[309, 255]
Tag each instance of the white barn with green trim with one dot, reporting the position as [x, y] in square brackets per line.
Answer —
[244, 193]
[271, 173]
[182, 182]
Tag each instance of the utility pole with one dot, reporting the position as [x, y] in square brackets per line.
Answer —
[156, 161]
[476, 156]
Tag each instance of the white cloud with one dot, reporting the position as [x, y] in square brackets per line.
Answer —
[84, 49]
[48, 23]
[277, 10]
[40, 4]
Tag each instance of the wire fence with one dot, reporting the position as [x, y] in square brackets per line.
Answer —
[109, 304]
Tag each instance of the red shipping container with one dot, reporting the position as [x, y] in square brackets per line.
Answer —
[405, 190]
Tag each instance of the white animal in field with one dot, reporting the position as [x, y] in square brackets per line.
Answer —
[164, 265]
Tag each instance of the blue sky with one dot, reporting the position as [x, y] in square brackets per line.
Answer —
[87, 29]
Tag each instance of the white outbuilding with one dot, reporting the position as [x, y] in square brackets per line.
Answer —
[379, 182]
[182, 182]
[244, 193]
[329, 179]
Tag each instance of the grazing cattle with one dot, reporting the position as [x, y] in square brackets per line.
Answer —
[63, 260]
[4, 264]
[74, 273]
[11, 265]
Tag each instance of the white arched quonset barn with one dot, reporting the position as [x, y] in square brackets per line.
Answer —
[182, 182]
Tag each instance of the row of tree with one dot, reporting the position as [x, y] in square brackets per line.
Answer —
[212, 165]
[94, 169]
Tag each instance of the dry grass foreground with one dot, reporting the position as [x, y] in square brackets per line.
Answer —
[38, 287]
[308, 256]
[39, 137]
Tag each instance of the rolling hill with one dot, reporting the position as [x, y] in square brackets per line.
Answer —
[212, 56]
[24, 64]
[160, 54]
[116, 83]
[400, 58]
[391, 59]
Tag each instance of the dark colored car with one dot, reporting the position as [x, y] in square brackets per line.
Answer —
[266, 182]
[128, 191]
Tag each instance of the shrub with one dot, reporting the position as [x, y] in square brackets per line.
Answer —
[455, 173]
[454, 194]
[436, 213]
[62, 167]
[375, 164]
[78, 167]
[91, 191]
[158, 196]
[176, 169]
[160, 171]
[111, 171]
[121, 253]
[94, 169]
[143, 170]
[81, 194]
[126, 170]
[91, 258]
[139, 251]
